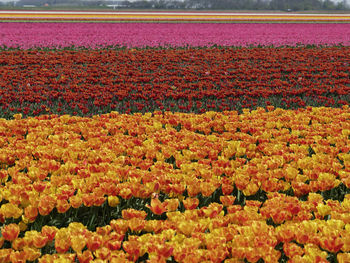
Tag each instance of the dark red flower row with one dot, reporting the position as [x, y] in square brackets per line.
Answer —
[88, 82]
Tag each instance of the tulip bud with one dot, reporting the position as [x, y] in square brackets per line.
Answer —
[113, 201]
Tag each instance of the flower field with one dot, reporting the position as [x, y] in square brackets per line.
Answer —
[141, 35]
[197, 16]
[88, 82]
[174, 143]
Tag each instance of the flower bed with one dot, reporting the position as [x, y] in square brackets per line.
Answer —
[186, 187]
[30, 35]
[88, 82]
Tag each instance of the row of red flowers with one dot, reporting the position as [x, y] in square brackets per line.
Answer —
[201, 187]
[85, 82]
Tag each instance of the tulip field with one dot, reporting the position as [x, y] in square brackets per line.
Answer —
[174, 142]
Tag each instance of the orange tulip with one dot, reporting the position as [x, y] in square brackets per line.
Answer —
[18, 257]
[46, 205]
[136, 224]
[9, 210]
[207, 188]
[119, 225]
[94, 241]
[49, 232]
[285, 234]
[75, 201]
[62, 206]
[18, 244]
[133, 248]
[31, 212]
[133, 213]
[227, 200]
[172, 204]
[39, 186]
[102, 253]
[5, 255]
[227, 189]
[62, 245]
[99, 199]
[40, 240]
[193, 189]
[32, 253]
[113, 244]
[157, 207]
[164, 250]
[125, 193]
[104, 231]
[88, 199]
[10, 232]
[233, 209]
[292, 250]
[153, 226]
[190, 203]
[85, 257]
[78, 243]
[212, 210]
[343, 257]
[332, 244]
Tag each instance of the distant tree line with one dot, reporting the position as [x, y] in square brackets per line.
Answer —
[292, 5]
[284, 5]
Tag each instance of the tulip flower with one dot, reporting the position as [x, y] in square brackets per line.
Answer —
[75, 201]
[49, 232]
[94, 241]
[31, 213]
[172, 204]
[62, 245]
[85, 257]
[18, 244]
[62, 206]
[10, 232]
[343, 257]
[292, 250]
[157, 207]
[132, 213]
[78, 243]
[32, 253]
[46, 205]
[190, 203]
[113, 244]
[18, 256]
[10, 210]
[136, 224]
[333, 244]
[39, 240]
[113, 201]
[133, 248]
[102, 253]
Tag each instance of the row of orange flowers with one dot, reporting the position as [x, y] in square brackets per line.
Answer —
[192, 236]
[52, 164]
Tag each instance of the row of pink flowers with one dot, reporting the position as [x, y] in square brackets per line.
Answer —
[29, 35]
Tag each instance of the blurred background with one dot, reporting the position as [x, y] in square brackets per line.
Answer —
[239, 5]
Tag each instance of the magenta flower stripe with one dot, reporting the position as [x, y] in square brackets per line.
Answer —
[93, 35]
